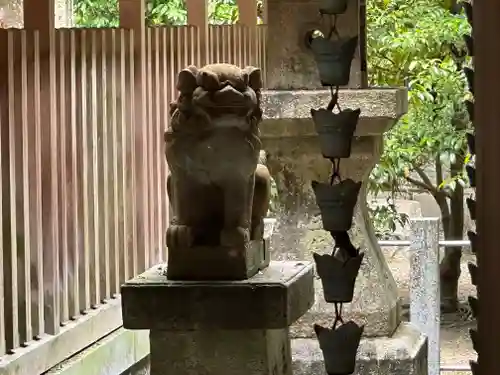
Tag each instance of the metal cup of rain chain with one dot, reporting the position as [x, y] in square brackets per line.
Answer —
[338, 276]
[339, 346]
[333, 7]
[336, 203]
[335, 131]
[333, 58]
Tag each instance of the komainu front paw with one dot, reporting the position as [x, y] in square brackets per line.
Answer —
[234, 237]
[179, 236]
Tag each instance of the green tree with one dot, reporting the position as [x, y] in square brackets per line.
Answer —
[409, 44]
[104, 13]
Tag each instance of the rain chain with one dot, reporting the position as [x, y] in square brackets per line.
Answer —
[471, 173]
[336, 198]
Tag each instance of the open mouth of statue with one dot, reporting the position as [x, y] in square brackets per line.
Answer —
[227, 98]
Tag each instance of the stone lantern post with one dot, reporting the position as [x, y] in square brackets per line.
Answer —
[294, 159]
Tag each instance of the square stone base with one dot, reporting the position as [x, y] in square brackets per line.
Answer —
[217, 263]
[273, 299]
[221, 352]
[405, 353]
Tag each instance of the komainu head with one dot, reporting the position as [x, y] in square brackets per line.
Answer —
[222, 89]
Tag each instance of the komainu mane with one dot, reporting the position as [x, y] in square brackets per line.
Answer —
[218, 191]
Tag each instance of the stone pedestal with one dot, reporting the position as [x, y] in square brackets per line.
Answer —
[220, 327]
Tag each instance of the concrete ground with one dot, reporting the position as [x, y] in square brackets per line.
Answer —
[456, 347]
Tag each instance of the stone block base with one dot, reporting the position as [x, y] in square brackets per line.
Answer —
[405, 353]
[217, 263]
[273, 299]
[221, 352]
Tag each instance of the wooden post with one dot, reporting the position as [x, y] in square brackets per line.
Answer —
[40, 15]
[133, 16]
[197, 15]
[247, 10]
[487, 114]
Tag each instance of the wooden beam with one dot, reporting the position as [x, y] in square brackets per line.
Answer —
[487, 122]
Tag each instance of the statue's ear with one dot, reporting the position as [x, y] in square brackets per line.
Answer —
[254, 77]
[186, 80]
[208, 80]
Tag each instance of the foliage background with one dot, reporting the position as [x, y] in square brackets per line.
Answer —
[104, 13]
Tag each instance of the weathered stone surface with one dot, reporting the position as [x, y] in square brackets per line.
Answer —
[272, 299]
[218, 352]
[218, 186]
[295, 160]
[290, 111]
[294, 163]
[290, 63]
[190, 263]
[405, 353]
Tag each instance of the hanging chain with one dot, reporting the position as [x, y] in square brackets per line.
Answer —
[338, 314]
[334, 101]
[335, 176]
[332, 26]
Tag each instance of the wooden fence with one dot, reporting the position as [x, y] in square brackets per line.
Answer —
[82, 174]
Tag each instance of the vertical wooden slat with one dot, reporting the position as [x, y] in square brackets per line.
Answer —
[85, 280]
[132, 144]
[132, 15]
[147, 129]
[172, 61]
[166, 118]
[216, 45]
[239, 41]
[75, 162]
[126, 90]
[3, 35]
[11, 276]
[63, 126]
[157, 138]
[116, 243]
[25, 250]
[179, 49]
[224, 44]
[95, 266]
[105, 157]
[39, 301]
[52, 320]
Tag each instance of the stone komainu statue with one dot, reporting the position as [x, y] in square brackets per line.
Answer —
[218, 190]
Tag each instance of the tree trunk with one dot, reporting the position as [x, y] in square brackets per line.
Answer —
[453, 225]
